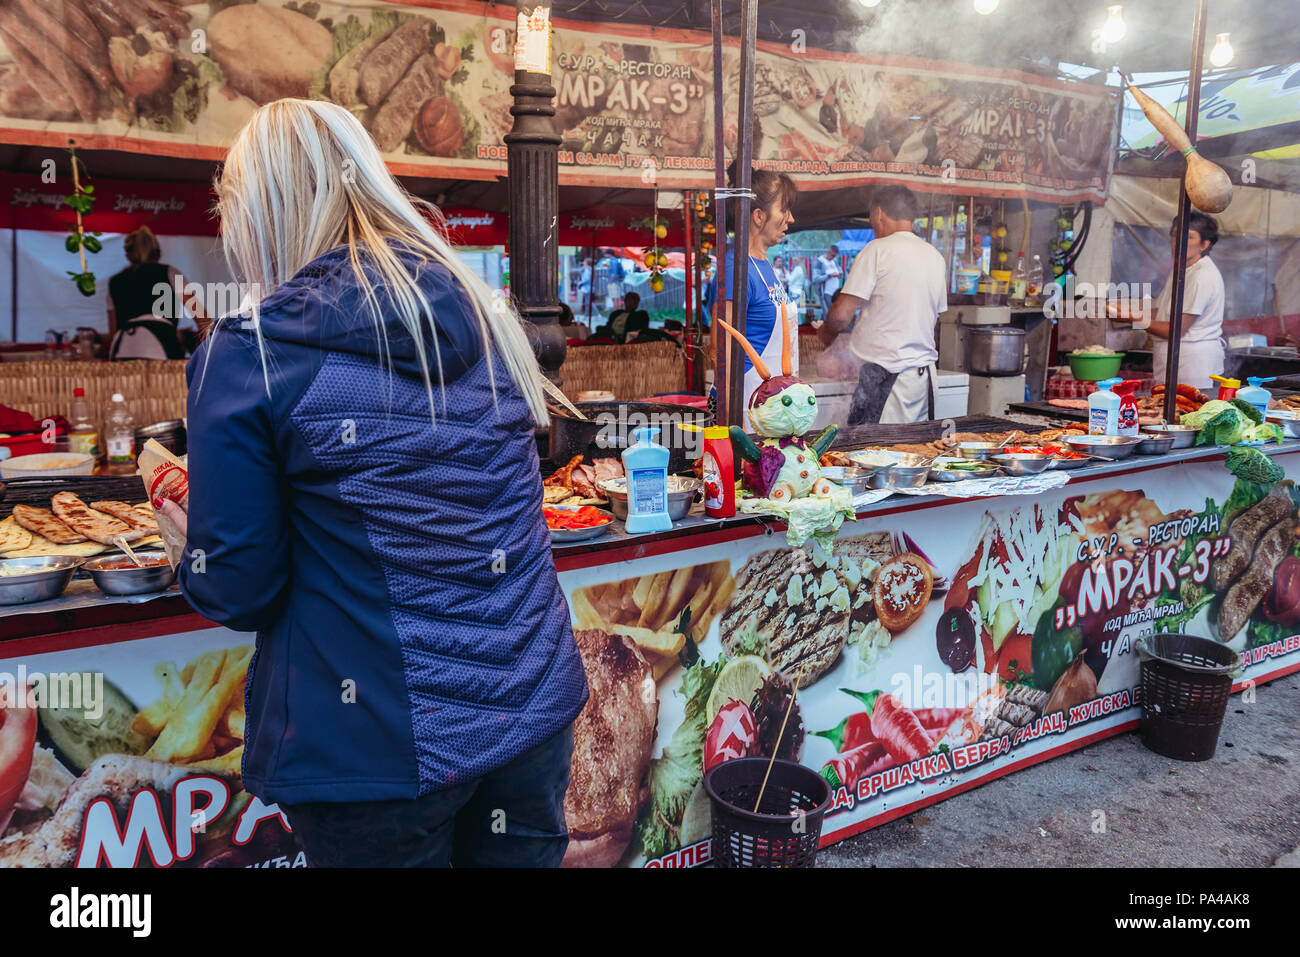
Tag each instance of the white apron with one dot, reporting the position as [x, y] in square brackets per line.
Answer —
[1197, 361]
[771, 353]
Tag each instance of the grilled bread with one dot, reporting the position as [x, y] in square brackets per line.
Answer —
[42, 522]
[137, 516]
[96, 526]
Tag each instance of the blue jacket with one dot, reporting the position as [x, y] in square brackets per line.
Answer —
[411, 631]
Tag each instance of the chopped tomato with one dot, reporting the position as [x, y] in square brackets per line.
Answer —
[588, 516]
[17, 737]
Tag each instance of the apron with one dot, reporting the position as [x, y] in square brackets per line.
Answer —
[1197, 361]
[876, 385]
[146, 338]
[771, 353]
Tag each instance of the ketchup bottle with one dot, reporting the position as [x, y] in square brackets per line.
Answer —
[1227, 387]
[719, 473]
[1128, 407]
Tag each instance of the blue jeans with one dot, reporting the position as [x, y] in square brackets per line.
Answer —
[512, 817]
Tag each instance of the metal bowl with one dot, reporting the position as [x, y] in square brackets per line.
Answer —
[1111, 446]
[681, 495]
[1154, 444]
[131, 581]
[26, 580]
[1289, 421]
[1022, 463]
[939, 474]
[874, 461]
[1060, 463]
[909, 471]
[976, 450]
[853, 479]
[1184, 435]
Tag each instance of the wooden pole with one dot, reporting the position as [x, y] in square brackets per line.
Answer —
[744, 170]
[1184, 218]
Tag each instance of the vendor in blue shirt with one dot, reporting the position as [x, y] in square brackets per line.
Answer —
[770, 216]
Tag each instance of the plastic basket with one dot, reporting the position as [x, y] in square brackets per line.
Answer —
[1185, 686]
[788, 827]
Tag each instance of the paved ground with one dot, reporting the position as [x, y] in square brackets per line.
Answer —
[1240, 809]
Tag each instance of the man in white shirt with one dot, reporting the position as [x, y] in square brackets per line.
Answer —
[1201, 347]
[795, 280]
[899, 282]
[826, 276]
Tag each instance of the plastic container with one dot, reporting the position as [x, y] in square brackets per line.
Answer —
[646, 466]
[1255, 395]
[1128, 407]
[1103, 409]
[1093, 367]
[719, 473]
[119, 437]
[788, 826]
[83, 436]
[1227, 387]
[1186, 682]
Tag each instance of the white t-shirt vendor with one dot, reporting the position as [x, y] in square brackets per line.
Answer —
[1201, 349]
[900, 284]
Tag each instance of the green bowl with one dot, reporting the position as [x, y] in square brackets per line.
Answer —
[1093, 368]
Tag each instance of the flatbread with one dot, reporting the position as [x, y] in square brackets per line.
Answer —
[42, 522]
[13, 536]
[44, 548]
[130, 514]
[96, 526]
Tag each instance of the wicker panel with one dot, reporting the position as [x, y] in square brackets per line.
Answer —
[154, 389]
[633, 371]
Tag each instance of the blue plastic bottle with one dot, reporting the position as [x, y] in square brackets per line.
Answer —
[646, 465]
[1103, 409]
[1259, 398]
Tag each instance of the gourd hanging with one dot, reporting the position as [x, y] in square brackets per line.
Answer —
[1207, 183]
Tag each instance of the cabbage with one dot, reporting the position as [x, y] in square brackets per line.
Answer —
[1221, 423]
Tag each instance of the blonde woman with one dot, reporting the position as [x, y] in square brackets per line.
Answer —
[364, 494]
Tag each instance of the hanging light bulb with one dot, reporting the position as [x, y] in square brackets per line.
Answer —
[869, 3]
[985, 7]
[1114, 28]
[1221, 55]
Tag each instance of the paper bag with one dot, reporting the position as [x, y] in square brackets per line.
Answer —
[165, 476]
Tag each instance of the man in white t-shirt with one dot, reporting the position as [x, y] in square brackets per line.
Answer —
[899, 282]
[826, 276]
[1201, 348]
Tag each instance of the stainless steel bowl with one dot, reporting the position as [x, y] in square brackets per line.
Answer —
[26, 580]
[1059, 463]
[681, 495]
[874, 460]
[131, 581]
[976, 450]
[938, 474]
[1289, 421]
[1184, 435]
[1022, 463]
[1110, 446]
[910, 471]
[855, 480]
[1154, 444]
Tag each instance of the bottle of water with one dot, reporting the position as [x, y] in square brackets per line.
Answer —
[83, 437]
[119, 437]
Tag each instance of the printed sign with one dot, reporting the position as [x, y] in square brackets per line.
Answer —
[931, 652]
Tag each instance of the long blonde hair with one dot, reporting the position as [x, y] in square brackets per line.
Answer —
[304, 177]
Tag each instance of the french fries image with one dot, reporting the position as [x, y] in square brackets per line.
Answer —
[198, 720]
[649, 608]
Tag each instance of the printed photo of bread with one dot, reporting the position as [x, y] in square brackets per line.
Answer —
[658, 612]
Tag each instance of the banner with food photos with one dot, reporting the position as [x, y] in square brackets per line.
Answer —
[430, 81]
[933, 648]
[128, 755]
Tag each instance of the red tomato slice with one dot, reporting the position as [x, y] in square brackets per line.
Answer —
[17, 737]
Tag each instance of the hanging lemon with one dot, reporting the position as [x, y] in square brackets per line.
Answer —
[663, 259]
[657, 283]
[661, 231]
[650, 259]
[1002, 257]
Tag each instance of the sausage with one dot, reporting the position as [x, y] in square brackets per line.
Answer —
[1249, 590]
[106, 18]
[393, 120]
[56, 62]
[90, 52]
[170, 19]
[46, 86]
[390, 61]
[1244, 531]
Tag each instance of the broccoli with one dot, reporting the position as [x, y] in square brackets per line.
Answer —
[1251, 464]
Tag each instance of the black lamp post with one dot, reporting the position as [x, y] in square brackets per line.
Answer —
[532, 171]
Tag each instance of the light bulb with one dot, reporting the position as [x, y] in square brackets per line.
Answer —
[1113, 30]
[1221, 55]
[985, 6]
[869, 3]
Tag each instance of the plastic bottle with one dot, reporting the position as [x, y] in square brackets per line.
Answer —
[1034, 284]
[1256, 396]
[1103, 409]
[1128, 407]
[719, 473]
[1227, 387]
[1019, 283]
[83, 436]
[119, 437]
[646, 465]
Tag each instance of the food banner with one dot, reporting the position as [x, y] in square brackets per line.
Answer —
[934, 648]
[36, 201]
[634, 104]
[133, 758]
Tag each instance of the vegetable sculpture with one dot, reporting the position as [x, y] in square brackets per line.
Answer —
[1207, 183]
[780, 471]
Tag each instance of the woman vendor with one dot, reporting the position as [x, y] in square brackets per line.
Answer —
[1201, 347]
[770, 217]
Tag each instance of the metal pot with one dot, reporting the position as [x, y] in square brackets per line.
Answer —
[609, 431]
[994, 350]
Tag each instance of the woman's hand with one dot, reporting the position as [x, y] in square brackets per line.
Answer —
[175, 513]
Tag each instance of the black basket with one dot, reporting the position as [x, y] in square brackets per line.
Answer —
[1185, 686]
[788, 827]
